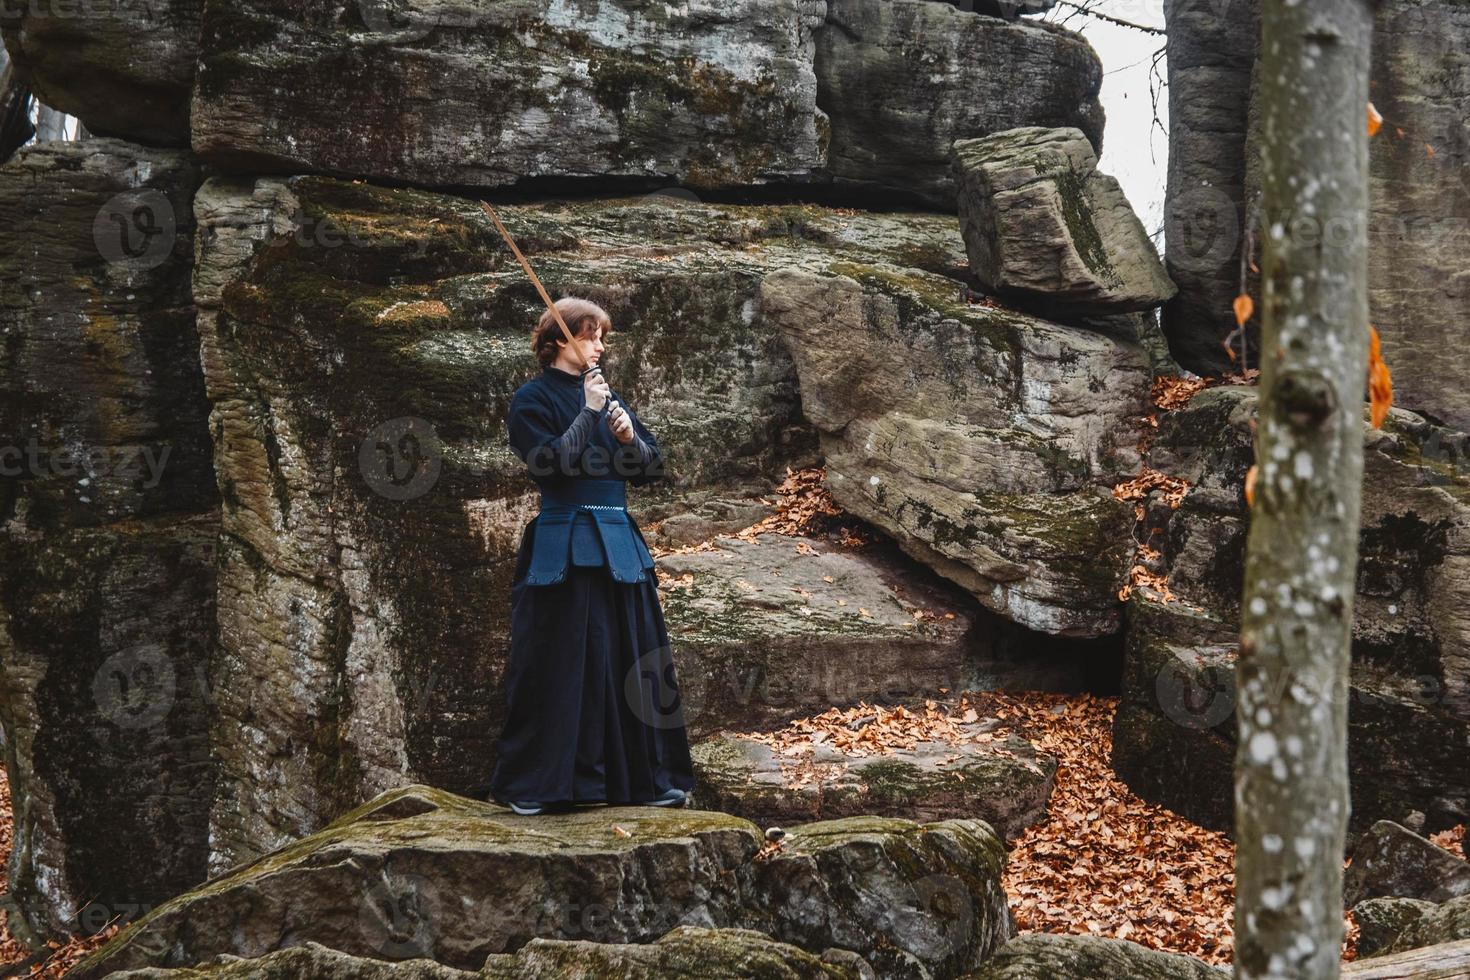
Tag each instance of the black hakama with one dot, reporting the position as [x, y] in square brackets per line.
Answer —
[593, 707]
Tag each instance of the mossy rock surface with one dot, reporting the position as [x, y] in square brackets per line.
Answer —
[1408, 710]
[779, 626]
[109, 520]
[418, 873]
[1041, 224]
[1038, 956]
[686, 951]
[983, 440]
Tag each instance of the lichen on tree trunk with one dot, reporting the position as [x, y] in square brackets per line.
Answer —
[1291, 764]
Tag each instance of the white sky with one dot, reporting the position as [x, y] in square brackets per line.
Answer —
[1134, 150]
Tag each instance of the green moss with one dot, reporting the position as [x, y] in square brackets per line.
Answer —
[1077, 213]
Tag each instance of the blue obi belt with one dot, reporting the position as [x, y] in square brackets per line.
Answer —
[585, 522]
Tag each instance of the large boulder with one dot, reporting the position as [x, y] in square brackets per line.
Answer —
[1443, 961]
[712, 95]
[418, 873]
[1409, 713]
[1381, 920]
[1211, 59]
[901, 81]
[983, 440]
[296, 962]
[1419, 219]
[1447, 922]
[1006, 782]
[485, 94]
[108, 528]
[685, 951]
[125, 69]
[777, 626]
[1042, 225]
[1048, 957]
[1390, 860]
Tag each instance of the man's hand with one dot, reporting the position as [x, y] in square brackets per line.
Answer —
[621, 425]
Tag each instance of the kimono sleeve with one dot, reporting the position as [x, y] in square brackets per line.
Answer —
[535, 440]
[646, 461]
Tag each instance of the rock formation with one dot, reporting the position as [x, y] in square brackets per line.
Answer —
[1409, 717]
[1419, 220]
[211, 669]
[1006, 784]
[109, 526]
[1042, 225]
[125, 69]
[981, 439]
[418, 873]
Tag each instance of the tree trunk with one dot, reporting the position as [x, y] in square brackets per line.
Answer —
[1291, 762]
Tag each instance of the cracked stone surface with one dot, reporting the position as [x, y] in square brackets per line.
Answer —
[1005, 782]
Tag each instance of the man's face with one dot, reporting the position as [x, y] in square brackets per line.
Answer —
[591, 342]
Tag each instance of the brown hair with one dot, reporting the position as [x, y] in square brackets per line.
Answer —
[576, 311]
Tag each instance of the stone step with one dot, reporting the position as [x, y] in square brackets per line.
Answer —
[1004, 781]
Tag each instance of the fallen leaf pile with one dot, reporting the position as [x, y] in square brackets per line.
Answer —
[1171, 393]
[1149, 480]
[1452, 840]
[872, 729]
[56, 958]
[804, 508]
[1106, 863]
[867, 730]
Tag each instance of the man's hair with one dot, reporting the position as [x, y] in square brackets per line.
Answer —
[578, 313]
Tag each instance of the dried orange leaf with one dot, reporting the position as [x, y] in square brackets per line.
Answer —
[1250, 486]
[1244, 307]
[1380, 381]
[1375, 120]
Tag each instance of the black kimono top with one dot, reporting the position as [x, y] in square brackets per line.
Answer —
[582, 471]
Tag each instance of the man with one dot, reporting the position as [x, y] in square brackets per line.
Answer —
[594, 714]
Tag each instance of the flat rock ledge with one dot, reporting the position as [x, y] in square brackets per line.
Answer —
[1006, 782]
[1041, 956]
[778, 627]
[687, 951]
[420, 874]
